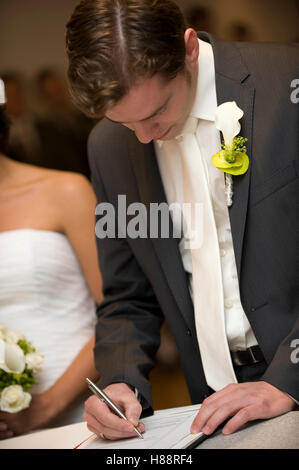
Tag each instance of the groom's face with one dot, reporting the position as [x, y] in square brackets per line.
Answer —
[156, 109]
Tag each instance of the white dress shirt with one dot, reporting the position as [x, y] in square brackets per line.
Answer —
[239, 333]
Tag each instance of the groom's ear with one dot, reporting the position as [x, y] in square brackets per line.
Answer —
[192, 46]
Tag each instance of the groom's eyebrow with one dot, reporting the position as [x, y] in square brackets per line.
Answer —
[148, 117]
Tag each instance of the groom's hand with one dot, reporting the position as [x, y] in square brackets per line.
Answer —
[243, 402]
[103, 422]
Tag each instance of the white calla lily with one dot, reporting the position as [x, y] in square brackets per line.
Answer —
[227, 118]
[13, 337]
[3, 332]
[2, 352]
[12, 358]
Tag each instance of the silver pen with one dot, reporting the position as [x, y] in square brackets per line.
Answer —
[103, 397]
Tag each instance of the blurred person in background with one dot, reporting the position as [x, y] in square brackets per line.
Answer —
[50, 283]
[241, 32]
[71, 125]
[200, 18]
[24, 138]
[49, 132]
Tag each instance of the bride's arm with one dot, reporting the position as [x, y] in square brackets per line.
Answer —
[72, 383]
[75, 208]
[77, 221]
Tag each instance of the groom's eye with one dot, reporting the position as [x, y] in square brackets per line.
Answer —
[163, 109]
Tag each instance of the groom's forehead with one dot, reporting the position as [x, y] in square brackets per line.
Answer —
[142, 102]
[151, 115]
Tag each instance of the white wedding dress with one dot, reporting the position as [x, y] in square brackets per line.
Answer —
[44, 295]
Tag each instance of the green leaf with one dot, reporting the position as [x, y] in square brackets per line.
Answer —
[25, 379]
[26, 346]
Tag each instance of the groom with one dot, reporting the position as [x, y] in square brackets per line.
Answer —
[233, 302]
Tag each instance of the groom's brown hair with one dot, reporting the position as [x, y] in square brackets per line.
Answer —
[113, 44]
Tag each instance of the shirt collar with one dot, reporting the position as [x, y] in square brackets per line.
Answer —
[205, 102]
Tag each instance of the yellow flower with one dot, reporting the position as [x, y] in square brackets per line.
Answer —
[231, 161]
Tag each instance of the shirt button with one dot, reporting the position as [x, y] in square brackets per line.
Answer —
[222, 253]
[228, 303]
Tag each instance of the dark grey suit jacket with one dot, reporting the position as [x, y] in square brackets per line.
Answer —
[144, 279]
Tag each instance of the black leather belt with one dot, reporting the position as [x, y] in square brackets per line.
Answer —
[249, 356]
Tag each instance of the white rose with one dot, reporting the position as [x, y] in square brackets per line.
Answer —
[227, 120]
[13, 337]
[3, 331]
[12, 358]
[13, 399]
[34, 361]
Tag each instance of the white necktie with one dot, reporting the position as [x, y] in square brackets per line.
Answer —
[206, 267]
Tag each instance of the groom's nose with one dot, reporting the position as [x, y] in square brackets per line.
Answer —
[146, 132]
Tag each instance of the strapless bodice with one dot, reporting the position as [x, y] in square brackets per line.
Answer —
[44, 295]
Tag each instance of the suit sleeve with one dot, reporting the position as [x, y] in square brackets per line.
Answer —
[129, 318]
[283, 371]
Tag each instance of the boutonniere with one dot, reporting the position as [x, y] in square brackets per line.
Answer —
[232, 159]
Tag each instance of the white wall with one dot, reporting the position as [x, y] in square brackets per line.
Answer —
[32, 32]
[270, 20]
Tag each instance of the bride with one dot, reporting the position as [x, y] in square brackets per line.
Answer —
[50, 283]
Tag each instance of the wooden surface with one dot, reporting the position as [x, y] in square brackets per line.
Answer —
[169, 388]
[168, 383]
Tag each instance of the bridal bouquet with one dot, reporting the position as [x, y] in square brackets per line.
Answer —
[19, 362]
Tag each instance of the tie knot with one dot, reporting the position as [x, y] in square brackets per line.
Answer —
[190, 127]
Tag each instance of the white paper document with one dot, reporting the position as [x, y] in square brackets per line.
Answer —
[166, 429]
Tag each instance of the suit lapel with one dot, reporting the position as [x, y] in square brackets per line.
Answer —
[233, 84]
[238, 211]
[151, 190]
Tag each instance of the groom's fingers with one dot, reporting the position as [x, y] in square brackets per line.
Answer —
[100, 419]
[123, 396]
[103, 416]
[110, 433]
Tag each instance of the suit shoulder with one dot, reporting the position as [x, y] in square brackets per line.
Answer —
[272, 57]
[107, 143]
[108, 134]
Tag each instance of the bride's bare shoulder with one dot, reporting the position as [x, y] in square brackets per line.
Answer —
[68, 189]
[68, 183]
[50, 180]
[55, 186]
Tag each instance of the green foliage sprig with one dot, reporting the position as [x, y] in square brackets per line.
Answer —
[25, 379]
